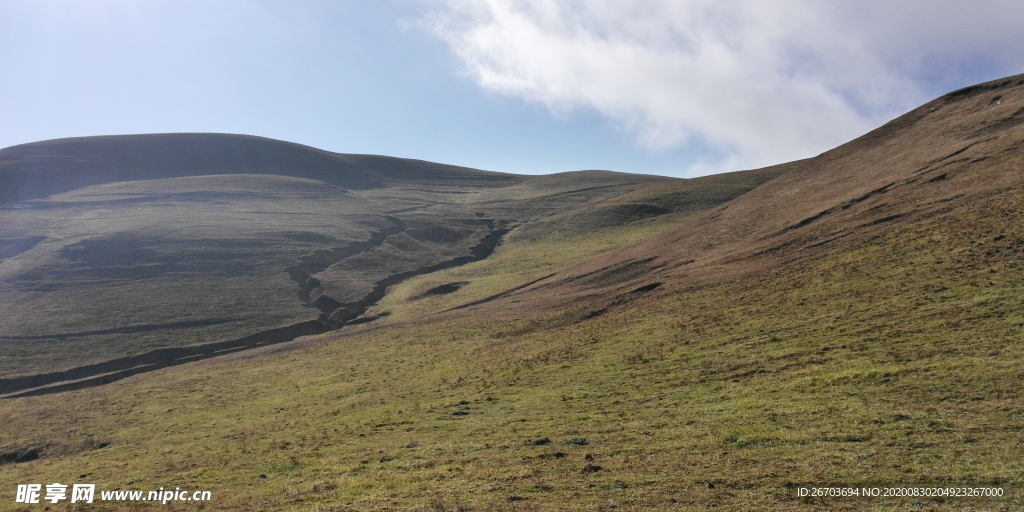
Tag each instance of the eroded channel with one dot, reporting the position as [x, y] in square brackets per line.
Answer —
[334, 315]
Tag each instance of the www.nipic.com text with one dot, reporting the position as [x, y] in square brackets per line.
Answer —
[86, 493]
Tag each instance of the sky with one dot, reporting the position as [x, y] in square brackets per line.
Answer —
[671, 87]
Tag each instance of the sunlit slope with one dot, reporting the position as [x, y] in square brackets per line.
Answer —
[853, 322]
[954, 152]
[538, 248]
[896, 362]
[111, 279]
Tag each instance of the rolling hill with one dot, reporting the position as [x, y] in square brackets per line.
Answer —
[848, 321]
[194, 245]
[40, 169]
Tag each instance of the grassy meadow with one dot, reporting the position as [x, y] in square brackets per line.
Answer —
[896, 363]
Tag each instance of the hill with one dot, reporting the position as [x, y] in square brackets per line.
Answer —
[853, 321]
[40, 169]
[110, 280]
[941, 159]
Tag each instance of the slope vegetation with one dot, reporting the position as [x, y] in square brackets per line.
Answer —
[186, 261]
[938, 160]
[896, 363]
[854, 321]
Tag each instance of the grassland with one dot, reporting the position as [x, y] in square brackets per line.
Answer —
[540, 247]
[110, 277]
[127, 268]
[897, 362]
[854, 322]
[521, 259]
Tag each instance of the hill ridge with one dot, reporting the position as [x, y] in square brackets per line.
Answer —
[957, 149]
[39, 169]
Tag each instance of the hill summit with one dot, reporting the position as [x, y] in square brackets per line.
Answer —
[39, 169]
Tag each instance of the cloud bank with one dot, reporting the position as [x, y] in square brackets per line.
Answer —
[751, 82]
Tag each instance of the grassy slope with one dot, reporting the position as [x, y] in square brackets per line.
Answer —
[956, 150]
[216, 246]
[520, 260]
[126, 268]
[897, 362]
[539, 248]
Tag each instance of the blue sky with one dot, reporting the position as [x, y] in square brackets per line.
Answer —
[673, 87]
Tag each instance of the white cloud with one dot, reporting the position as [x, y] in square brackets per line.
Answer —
[758, 82]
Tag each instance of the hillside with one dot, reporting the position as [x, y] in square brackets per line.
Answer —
[941, 159]
[110, 280]
[535, 250]
[850, 320]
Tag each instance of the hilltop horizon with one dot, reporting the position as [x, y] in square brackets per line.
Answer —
[453, 339]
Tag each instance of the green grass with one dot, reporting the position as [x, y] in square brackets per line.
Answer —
[519, 260]
[897, 363]
[127, 268]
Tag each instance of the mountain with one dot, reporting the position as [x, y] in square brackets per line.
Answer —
[838, 333]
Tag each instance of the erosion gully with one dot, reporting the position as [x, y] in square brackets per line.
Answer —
[334, 315]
